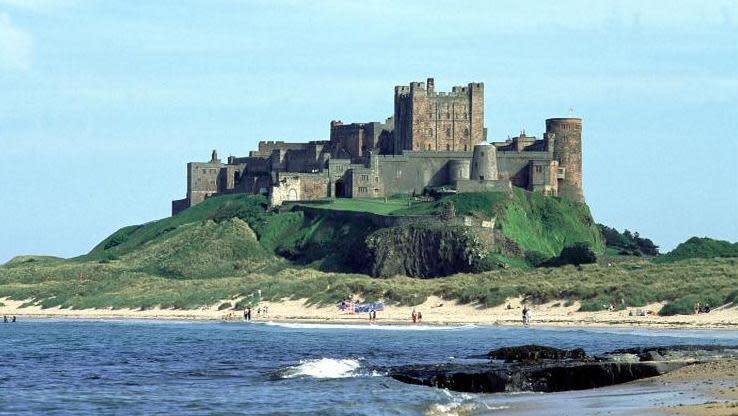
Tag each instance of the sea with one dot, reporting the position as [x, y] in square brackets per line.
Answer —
[149, 367]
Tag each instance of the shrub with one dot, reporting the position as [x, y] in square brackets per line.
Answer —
[685, 305]
[594, 305]
[225, 305]
[577, 254]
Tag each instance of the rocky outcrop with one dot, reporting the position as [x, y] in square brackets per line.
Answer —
[545, 369]
[675, 352]
[535, 353]
[427, 250]
[540, 377]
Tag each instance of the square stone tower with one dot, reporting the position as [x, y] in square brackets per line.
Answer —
[438, 121]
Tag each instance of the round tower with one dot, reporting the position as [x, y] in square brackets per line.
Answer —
[567, 150]
[484, 162]
[458, 170]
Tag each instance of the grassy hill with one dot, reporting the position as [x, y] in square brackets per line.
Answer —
[204, 240]
[537, 223]
[230, 246]
[697, 247]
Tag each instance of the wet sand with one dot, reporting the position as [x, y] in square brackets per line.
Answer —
[718, 381]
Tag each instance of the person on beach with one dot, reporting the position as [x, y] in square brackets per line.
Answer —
[420, 317]
[5, 319]
[526, 315]
[13, 319]
[247, 313]
[414, 315]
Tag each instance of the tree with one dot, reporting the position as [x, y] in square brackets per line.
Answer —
[576, 254]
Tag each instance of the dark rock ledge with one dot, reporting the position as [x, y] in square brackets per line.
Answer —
[545, 369]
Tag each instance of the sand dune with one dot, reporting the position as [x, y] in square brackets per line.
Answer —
[435, 311]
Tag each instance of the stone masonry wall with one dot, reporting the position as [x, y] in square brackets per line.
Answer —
[426, 120]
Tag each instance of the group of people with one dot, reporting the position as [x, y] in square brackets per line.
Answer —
[260, 311]
[417, 317]
[698, 308]
[5, 319]
[372, 315]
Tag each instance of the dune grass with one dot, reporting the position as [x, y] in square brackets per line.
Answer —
[96, 285]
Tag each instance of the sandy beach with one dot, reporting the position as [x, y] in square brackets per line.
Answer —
[435, 311]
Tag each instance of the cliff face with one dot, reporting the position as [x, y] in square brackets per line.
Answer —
[431, 250]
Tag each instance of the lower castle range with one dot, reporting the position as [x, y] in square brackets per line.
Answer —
[433, 140]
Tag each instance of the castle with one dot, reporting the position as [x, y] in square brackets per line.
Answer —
[433, 140]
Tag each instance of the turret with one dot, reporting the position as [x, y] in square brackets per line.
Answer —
[484, 162]
[567, 150]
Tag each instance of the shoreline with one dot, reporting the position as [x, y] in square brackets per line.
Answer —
[436, 311]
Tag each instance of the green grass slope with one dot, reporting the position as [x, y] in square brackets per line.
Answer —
[697, 247]
[536, 222]
[250, 208]
[548, 224]
[204, 249]
[28, 259]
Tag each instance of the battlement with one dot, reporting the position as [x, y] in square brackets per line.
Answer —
[428, 89]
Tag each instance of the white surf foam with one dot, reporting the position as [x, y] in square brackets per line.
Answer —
[323, 368]
[457, 404]
[295, 325]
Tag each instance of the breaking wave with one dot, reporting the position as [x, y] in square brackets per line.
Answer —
[323, 368]
[461, 404]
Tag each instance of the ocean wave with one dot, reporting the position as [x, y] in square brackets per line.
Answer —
[323, 368]
[462, 404]
[296, 325]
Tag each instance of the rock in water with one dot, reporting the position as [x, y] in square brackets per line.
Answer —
[488, 378]
[535, 353]
[545, 369]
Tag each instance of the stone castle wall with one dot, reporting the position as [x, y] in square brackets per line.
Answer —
[428, 143]
[436, 121]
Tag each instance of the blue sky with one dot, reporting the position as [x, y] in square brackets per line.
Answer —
[103, 102]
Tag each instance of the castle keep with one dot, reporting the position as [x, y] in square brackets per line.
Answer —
[433, 140]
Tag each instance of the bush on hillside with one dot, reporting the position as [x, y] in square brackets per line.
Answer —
[685, 304]
[627, 243]
[575, 254]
